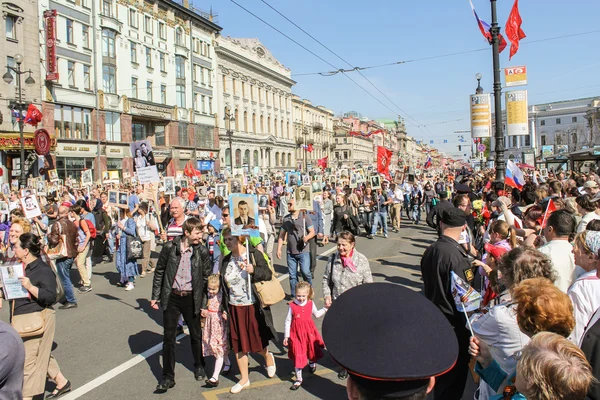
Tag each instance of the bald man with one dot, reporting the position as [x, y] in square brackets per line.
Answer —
[63, 226]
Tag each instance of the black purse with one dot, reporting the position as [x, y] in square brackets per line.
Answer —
[134, 248]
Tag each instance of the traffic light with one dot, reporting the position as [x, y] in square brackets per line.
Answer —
[459, 148]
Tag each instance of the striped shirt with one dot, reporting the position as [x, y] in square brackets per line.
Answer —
[183, 278]
[174, 229]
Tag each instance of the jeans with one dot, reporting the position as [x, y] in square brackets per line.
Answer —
[416, 214]
[368, 221]
[110, 240]
[428, 207]
[63, 267]
[292, 261]
[180, 306]
[380, 217]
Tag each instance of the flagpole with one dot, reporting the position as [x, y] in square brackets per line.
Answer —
[499, 134]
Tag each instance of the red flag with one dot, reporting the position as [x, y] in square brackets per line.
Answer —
[33, 116]
[384, 158]
[485, 29]
[310, 148]
[513, 29]
[549, 210]
[322, 162]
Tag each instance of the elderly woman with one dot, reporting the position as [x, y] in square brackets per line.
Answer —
[497, 327]
[250, 326]
[345, 269]
[585, 291]
[540, 307]
[587, 209]
[126, 267]
[40, 281]
[342, 216]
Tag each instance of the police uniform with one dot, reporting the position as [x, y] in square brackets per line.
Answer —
[442, 257]
[390, 339]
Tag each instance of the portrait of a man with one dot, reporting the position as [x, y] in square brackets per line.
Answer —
[375, 182]
[235, 186]
[243, 211]
[221, 190]
[31, 207]
[263, 200]
[303, 196]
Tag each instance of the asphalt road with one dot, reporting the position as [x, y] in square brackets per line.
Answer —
[109, 347]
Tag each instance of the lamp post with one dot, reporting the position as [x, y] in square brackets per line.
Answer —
[20, 106]
[498, 134]
[479, 90]
[228, 118]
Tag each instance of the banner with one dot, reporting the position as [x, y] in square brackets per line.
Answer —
[516, 113]
[515, 76]
[384, 157]
[51, 61]
[481, 115]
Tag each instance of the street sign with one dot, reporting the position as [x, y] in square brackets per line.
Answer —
[515, 76]
[481, 148]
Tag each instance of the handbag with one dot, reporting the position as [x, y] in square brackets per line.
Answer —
[134, 247]
[268, 292]
[28, 325]
[60, 250]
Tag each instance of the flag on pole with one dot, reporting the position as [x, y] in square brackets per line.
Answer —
[309, 148]
[384, 158]
[514, 176]
[322, 162]
[427, 163]
[513, 29]
[465, 297]
[549, 210]
[484, 27]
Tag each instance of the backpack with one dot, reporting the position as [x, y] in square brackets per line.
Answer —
[92, 228]
[99, 216]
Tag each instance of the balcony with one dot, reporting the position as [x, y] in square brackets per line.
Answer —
[108, 21]
[317, 126]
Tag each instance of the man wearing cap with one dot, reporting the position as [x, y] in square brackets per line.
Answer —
[437, 210]
[591, 188]
[426, 350]
[439, 260]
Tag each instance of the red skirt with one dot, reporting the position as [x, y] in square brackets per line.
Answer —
[248, 335]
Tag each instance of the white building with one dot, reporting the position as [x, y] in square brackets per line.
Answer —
[255, 89]
[313, 125]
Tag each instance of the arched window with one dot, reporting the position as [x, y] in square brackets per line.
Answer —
[277, 159]
[179, 36]
[287, 130]
[253, 122]
[227, 158]
[262, 124]
[236, 115]
[238, 158]
[268, 124]
[289, 163]
[256, 162]
[247, 157]
[275, 126]
[282, 131]
[245, 121]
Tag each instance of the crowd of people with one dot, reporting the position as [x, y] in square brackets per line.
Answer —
[531, 254]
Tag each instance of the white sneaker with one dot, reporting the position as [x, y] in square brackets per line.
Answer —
[238, 388]
[129, 286]
[272, 369]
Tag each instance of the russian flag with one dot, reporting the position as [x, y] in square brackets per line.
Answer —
[484, 27]
[427, 163]
[514, 177]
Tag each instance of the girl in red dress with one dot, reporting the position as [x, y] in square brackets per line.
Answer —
[301, 335]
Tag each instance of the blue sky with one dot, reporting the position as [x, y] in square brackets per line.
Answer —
[430, 92]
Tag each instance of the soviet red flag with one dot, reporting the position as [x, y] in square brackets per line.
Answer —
[384, 158]
[322, 162]
[33, 116]
[513, 29]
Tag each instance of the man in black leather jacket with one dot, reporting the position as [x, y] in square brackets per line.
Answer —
[179, 285]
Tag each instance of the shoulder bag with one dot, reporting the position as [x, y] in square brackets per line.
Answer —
[28, 325]
[60, 250]
[268, 292]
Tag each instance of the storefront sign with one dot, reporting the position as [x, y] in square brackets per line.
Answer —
[205, 155]
[205, 165]
[77, 150]
[149, 110]
[185, 154]
[12, 141]
[115, 151]
[160, 153]
[515, 76]
[41, 142]
[51, 61]
[481, 115]
[516, 113]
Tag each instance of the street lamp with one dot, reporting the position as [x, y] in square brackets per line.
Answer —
[479, 89]
[228, 118]
[20, 106]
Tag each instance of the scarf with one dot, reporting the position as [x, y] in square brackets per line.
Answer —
[347, 261]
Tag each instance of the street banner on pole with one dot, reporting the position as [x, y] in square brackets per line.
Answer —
[481, 115]
[515, 76]
[516, 113]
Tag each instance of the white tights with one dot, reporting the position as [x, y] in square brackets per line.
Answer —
[219, 365]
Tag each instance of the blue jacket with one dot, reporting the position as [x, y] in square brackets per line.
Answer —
[495, 376]
[316, 217]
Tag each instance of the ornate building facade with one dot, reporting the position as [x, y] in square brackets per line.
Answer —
[254, 107]
[313, 130]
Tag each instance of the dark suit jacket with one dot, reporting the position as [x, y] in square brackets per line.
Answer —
[590, 345]
[238, 221]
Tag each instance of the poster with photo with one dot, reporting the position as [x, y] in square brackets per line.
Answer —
[14, 184]
[4, 208]
[11, 285]
[142, 154]
[169, 185]
[360, 176]
[6, 188]
[375, 181]
[202, 192]
[235, 185]
[87, 178]
[344, 173]
[31, 207]
[293, 179]
[305, 179]
[353, 180]
[182, 183]
[113, 197]
[332, 179]
[28, 192]
[267, 183]
[303, 198]
[123, 200]
[41, 188]
[221, 190]
[53, 175]
[263, 201]
[317, 185]
[243, 211]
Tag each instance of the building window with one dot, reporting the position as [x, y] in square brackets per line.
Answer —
[107, 8]
[133, 18]
[542, 122]
[179, 67]
[557, 121]
[148, 24]
[267, 96]
[268, 124]
[262, 124]
[139, 131]
[162, 30]
[236, 115]
[71, 73]
[202, 81]
[87, 84]
[543, 140]
[527, 140]
[133, 52]
[183, 134]
[210, 105]
[149, 91]
[70, 31]
[108, 43]
[233, 86]
[109, 83]
[114, 164]
[85, 36]
[251, 92]
[208, 50]
[253, 123]
[243, 89]
[180, 94]
[148, 57]
[163, 62]
[72, 122]
[159, 135]
[246, 121]
[163, 94]
[573, 119]
[203, 104]
[514, 141]
[112, 126]
[11, 27]
[224, 83]
[134, 88]
[179, 36]
[275, 126]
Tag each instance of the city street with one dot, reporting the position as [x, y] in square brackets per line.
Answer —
[109, 347]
